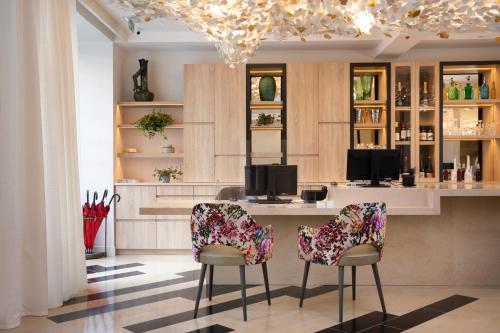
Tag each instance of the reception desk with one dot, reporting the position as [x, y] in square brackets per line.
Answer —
[437, 234]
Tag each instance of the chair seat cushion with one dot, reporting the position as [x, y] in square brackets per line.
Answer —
[360, 255]
[221, 255]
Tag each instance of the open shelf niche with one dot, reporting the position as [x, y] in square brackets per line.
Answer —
[139, 166]
[470, 123]
[370, 105]
[265, 144]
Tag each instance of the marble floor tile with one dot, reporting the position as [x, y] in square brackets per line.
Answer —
[163, 298]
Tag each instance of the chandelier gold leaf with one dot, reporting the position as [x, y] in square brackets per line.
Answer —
[237, 27]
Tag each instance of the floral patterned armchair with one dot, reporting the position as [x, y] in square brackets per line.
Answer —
[231, 225]
[356, 224]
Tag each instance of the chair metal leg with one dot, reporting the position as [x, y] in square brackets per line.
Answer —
[304, 281]
[379, 286]
[243, 291]
[200, 288]
[210, 281]
[266, 283]
[341, 293]
[353, 268]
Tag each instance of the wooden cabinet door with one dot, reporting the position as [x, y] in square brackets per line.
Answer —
[229, 169]
[302, 108]
[174, 234]
[199, 152]
[136, 234]
[307, 167]
[230, 119]
[333, 146]
[334, 94]
[199, 93]
[134, 197]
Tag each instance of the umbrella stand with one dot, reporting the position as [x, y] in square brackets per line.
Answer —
[89, 253]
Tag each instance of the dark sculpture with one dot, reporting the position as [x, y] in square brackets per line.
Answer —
[141, 92]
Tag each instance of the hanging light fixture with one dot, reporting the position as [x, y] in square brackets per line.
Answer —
[237, 27]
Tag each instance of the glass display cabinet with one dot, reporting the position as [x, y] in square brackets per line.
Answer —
[470, 117]
[370, 107]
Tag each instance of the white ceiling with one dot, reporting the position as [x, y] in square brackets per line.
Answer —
[167, 33]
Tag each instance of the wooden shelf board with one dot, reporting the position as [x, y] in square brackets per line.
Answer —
[267, 128]
[132, 126]
[469, 137]
[402, 108]
[449, 70]
[153, 104]
[150, 155]
[403, 143]
[426, 143]
[369, 126]
[266, 71]
[426, 108]
[369, 70]
[370, 103]
[470, 102]
[254, 105]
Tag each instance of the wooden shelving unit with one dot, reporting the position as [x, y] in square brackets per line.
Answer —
[153, 104]
[266, 105]
[369, 126]
[469, 137]
[370, 103]
[267, 128]
[140, 166]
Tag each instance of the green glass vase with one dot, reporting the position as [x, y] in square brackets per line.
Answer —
[366, 82]
[267, 88]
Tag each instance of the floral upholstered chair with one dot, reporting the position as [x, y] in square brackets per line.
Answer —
[353, 238]
[226, 235]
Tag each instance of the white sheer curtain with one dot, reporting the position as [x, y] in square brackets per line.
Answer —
[41, 242]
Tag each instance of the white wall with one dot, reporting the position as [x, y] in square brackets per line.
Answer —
[166, 65]
[95, 126]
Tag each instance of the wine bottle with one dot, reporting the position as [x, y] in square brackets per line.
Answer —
[422, 169]
[430, 134]
[408, 133]
[403, 132]
[425, 95]
[397, 134]
[406, 170]
[429, 173]
[399, 99]
[468, 89]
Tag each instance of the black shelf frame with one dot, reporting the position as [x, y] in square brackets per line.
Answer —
[249, 67]
[387, 66]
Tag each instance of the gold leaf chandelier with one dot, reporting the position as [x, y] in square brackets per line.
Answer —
[237, 27]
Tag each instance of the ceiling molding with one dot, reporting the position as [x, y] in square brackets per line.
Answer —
[103, 20]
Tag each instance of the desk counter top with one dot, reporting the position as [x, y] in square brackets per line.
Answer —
[423, 199]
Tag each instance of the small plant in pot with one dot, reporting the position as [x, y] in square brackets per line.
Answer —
[154, 123]
[164, 175]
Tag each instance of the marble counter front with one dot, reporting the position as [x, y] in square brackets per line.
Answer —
[437, 234]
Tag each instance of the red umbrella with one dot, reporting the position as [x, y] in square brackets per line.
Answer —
[93, 216]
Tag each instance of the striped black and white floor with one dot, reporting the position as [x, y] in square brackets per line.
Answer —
[156, 293]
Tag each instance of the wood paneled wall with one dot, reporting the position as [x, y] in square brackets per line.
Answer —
[317, 121]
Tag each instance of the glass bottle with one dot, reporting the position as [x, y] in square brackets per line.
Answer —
[429, 173]
[422, 134]
[478, 173]
[422, 170]
[425, 95]
[485, 90]
[430, 134]
[396, 134]
[399, 95]
[451, 89]
[406, 170]
[403, 132]
[468, 89]
[408, 132]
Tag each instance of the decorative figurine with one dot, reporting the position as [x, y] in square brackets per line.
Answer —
[141, 92]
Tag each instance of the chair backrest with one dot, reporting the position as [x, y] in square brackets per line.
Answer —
[365, 224]
[230, 225]
[231, 193]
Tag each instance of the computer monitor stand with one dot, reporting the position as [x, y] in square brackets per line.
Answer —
[271, 200]
[375, 182]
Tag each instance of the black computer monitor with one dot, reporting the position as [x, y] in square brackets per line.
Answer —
[270, 180]
[373, 165]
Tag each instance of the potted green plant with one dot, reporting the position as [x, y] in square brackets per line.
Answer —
[164, 175]
[265, 119]
[154, 123]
